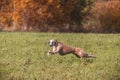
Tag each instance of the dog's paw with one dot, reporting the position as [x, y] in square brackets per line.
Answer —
[48, 53]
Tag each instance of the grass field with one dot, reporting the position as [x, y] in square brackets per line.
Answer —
[23, 57]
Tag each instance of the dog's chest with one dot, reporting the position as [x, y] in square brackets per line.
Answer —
[54, 48]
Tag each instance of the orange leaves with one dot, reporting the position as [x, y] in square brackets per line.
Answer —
[50, 1]
[5, 13]
[39, 13]
[21, 4]
[108, 14]
[15, 16]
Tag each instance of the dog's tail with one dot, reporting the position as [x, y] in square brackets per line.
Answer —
[90, 55]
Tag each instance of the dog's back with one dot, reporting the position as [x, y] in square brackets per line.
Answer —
[66, 49]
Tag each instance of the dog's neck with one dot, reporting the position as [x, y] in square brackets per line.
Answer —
[57, 44]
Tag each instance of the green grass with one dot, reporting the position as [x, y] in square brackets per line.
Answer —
[23, 57]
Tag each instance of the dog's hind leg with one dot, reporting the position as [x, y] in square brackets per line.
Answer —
[88, 55]
[79, 54]
[83, 54]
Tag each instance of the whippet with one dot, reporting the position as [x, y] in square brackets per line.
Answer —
[62, 49]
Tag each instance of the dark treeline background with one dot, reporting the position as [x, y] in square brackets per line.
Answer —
[60, 15]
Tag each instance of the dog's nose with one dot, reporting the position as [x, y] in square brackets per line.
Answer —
[50, 44]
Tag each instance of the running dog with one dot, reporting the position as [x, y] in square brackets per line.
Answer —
[62, 49]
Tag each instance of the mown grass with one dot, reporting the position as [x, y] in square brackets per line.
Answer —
[23, 57]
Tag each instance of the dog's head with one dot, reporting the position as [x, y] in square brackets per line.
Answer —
[52, 42]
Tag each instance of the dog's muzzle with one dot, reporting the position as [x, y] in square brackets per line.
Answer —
[50, 44]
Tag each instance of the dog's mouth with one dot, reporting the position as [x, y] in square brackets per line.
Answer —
[50, 45]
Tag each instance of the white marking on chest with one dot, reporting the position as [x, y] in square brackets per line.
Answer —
[54, 48]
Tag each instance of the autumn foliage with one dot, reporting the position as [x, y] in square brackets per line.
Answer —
[41, 15]
[106, 16]
[59, 15]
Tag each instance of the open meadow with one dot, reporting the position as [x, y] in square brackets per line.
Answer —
[23, 57]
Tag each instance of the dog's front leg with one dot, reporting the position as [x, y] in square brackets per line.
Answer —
[54, 51]
[50, 52]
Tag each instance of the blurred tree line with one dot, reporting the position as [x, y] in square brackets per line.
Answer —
[60, 15]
